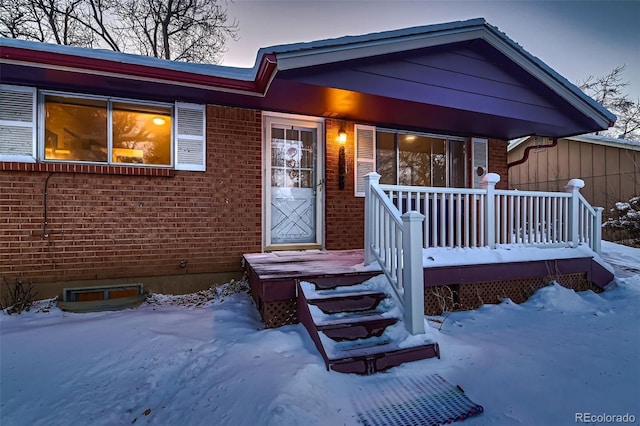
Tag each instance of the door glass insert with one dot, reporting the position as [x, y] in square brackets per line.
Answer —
[293, 194]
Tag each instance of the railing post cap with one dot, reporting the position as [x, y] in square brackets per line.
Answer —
[372, 176]
[575, 183]
[491, 178]
[412, 216]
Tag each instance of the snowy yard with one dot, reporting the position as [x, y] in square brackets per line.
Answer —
[192, 361]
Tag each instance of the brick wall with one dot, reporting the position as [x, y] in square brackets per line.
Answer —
[344, 211]
[498, 161]
[107, 224]
[102, 226]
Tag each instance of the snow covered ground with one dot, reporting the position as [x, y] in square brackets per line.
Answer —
[193, 360]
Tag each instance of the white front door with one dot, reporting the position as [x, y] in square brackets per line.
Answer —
[293, 182]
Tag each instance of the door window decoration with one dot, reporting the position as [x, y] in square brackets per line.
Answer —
[292, 160]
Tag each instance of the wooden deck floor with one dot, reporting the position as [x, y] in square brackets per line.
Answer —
[273, 277]
[296, 264]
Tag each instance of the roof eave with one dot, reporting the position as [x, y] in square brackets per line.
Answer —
[538, 69]
[586, 138]
[314, 56]
[256, 83]
[350, 48]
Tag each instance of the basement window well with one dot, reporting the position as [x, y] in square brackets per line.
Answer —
[102, 298]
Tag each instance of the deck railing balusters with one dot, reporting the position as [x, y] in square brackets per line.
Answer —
[396, 230]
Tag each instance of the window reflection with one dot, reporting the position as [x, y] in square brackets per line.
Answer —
[419, 160]
[75, 129]
[414, 158]
[141, 134]
[386, 157]
[457, 164]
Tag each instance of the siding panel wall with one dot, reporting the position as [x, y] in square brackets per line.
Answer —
[611, 174]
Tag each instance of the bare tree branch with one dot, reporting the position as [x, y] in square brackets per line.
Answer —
[183, 30]
[609, 91]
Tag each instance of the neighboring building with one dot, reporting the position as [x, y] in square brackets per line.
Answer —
[609, 167]
[121, 168]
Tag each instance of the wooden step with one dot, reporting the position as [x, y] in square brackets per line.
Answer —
[333, 281]
[347, 302]
[374, 354]
[352, 327]
[354, 331]
[379, 357]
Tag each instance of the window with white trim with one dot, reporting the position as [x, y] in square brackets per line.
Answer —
[409, 158]
[100, 130]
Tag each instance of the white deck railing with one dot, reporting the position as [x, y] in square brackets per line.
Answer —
[402, 220]
[393, 240]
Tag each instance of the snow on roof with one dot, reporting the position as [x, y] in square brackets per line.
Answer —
[134, 59]
[606, 140]
[383, 36]
[587, 138]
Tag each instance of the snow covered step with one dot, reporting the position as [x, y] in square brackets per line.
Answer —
[358, 327]
[351, 298]
[339, 285]
[354, 327]
[352, 302]
[382, 358]
[394, 337]
[367, 356]
[343, 281]
[365, 350]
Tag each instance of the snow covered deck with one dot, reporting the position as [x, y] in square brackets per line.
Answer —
[472, 275]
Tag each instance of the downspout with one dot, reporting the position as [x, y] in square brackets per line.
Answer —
[527, 150]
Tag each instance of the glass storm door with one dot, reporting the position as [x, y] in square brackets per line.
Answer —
[293, 185]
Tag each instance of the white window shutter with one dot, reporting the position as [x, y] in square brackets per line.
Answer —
[480, 152]
[365, 157]
[190, 137]
[17, 123]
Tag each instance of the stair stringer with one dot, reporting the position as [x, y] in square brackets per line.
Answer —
[304, 316]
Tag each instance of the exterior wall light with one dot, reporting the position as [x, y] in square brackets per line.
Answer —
[342, 136]
[342, 163]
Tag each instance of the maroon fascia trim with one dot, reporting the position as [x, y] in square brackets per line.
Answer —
[265, 70]
[86, 168]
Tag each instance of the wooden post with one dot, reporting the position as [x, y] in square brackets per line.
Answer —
[596, 245]
[489, 183]
[413, 272]
[573, 187]
[371, 179]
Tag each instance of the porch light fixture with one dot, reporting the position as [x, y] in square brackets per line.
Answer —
[342, 136]
[342, 163]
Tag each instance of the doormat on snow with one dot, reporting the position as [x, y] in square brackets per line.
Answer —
[428, 400]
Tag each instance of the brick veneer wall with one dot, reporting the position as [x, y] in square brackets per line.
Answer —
[102, 226]
[498, 161]
[344, 211]
[112, 222]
